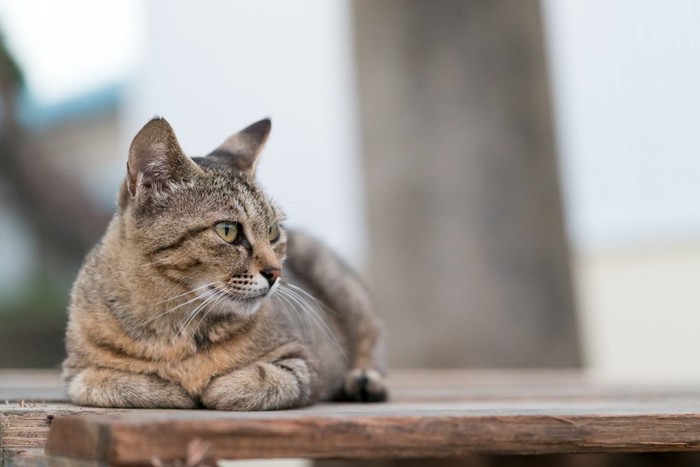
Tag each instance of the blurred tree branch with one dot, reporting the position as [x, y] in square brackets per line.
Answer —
[64, 218]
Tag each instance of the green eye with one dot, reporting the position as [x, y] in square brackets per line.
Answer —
[227, 230]
[274, 233]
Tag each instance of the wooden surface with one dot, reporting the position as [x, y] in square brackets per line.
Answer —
[432, 414]
[29, 401]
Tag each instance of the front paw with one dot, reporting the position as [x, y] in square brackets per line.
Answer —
[278, 385]
[103, 387]
[363, 385]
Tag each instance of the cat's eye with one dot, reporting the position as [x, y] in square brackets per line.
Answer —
[228, 231]
[273, 233]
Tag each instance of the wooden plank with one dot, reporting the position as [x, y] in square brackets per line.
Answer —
[24, 428]
[372, 434]
[29, 401]
[31, 385]
[432, 413]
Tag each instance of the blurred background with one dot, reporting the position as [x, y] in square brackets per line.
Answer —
[517, 181]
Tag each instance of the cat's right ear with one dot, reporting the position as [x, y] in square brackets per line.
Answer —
[155, 158]
[241, 150]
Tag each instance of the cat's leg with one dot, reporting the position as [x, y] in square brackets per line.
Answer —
[102, 387]
[345, 293]
[365, 381]
[281, 384]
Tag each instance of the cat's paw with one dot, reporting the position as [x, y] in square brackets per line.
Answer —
[103, 387]
[362, 385]
[278, 385]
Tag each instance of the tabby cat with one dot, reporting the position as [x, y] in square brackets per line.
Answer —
[188, 302]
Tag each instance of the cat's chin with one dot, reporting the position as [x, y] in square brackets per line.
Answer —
[242, 308]
[230, 305]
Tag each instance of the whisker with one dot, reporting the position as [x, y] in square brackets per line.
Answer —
[219, 298]
[179, 306]
[312, 313]
[171, 310]
[189, 316]
[194, 313]
[304, 293]
[204, 312]
[185, 293]
[310, 329]
[295, 315]
[314, 317]
[172, 289]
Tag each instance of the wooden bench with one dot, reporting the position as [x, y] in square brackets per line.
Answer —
[438, 413]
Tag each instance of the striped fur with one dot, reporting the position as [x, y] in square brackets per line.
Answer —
[165, 313]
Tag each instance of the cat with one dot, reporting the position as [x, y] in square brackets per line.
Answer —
[187, 301]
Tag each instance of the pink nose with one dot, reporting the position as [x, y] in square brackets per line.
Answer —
[271, 274]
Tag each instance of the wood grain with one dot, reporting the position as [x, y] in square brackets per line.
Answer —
[411, 434]
[436, 413]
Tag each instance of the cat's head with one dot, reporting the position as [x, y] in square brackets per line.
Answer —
[202, 223]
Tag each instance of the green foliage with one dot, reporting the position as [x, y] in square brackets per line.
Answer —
[32, 325]
[10, 72]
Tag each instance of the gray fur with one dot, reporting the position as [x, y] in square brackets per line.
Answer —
[165, 313]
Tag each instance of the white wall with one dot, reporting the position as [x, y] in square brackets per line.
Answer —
[212, 67]
[626, 82]
[69, 48]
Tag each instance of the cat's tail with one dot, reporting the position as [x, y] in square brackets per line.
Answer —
[343, 291]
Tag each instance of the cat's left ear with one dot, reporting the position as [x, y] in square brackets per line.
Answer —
[241, 150]
[156, 159]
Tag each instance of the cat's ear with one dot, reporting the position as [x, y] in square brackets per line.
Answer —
[241, 149]
[155, 158]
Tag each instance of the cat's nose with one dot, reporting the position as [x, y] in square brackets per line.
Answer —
[271, 275]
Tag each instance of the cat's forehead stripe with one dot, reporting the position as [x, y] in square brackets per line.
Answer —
[238, 193]
[247, 201]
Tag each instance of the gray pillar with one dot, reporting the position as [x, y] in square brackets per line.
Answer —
[469, 261]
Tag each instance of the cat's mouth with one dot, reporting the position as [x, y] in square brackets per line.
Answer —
[246, 300]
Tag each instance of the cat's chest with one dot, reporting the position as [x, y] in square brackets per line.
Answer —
[205, 359]
[191, 361]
